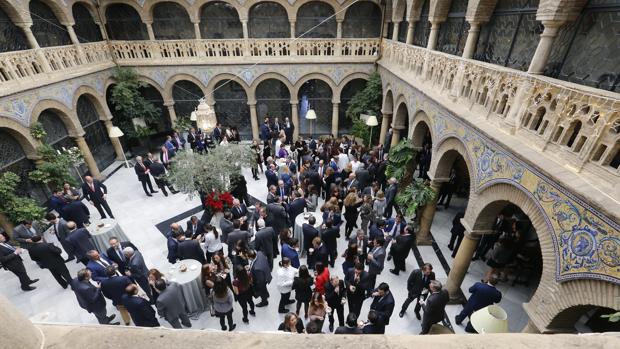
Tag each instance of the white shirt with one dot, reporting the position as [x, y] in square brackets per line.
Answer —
[212, 243]
[343, 161]
[286, 276]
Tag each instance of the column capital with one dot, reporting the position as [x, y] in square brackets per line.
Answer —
[551, 27]
[148, 21]
[295, 102]
[169, 103]
[251, 103]
[386, 113]
[474, 26]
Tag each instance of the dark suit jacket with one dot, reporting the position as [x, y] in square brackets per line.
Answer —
[77, 212]
[47, 255]
[401, 246]
[276, 217]
[296, 207]
[384, 306]
[434, 308]
[363, 177]
[141, 311]
[330, 238]
[261, 273]
[264, 241]
[239, 212]
[389, 225]
[417, 282]
[320, 255]
[348, 330]
[375, 266]
[88, 296]
[137, 267]
[272, 178]
[482, 295]
[173, 246]
[9, 260]
[227, 227]
[271, 198]
[332, 298]
[190, 232]
[361, 287]
[170, 303]
[141, 172]
[21, 234]
[121, 261]
[97, 270]
[80, 242]
[363, 245]
[235, 236]
[95, 196]
[113, 288]
[190, 249]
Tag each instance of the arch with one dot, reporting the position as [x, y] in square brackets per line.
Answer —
[186, 95]
[149, 7]
[346, 80]
[309, 19]
[47, 28]
[124, 22]
[96, 98]
[362, 20]
[16, 14]
[268, 19]
[178, 77]
[231, 106]
[388, 101]
[276, 76]
[154, 94]
[14, 38]
[153, 83]
[315, 93]
[317, 76]
[273, 98]
[444, 157]
[344, 94]
[59, 11]
[401, 115]
[89, 113]
[171, 21]
[421, 127]
[86, 27]
[399, 10]
[551, 297]
[225, 76]
[21, 135]
[220, 20]
[67, 116]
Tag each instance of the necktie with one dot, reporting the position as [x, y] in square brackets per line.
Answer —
[120, 254]
[92, 187]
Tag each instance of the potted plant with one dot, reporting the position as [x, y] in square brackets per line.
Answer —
[55, 166]
[401, 163]
[14, 207]
[37, 131]
[414, 196]
[366, 101]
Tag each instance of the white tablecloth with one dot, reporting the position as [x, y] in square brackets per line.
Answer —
[190, 283]
[101, 235]
[300, 220]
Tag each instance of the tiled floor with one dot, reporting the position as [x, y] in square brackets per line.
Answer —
[138, 215]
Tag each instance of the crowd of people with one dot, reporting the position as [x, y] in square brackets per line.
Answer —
[342, 181]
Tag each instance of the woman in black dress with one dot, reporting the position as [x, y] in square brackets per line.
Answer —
[242, 287]
[352, 204]
[302, 285]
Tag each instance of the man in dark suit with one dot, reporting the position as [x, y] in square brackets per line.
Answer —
[90, 297]
[296, 206]
[115, 252]
[261, 275]
[434, 306]
[190, 249]
[97, 264]
[362, 244]
[395, 226]
[263, 241]
[383, 305]
[319, 254]
[335, 292]
[350, 328]
[59, 226]
[330, 235]
[158, 171]
[373, 326]
[226, 225]
[140, 309]
[236, 235]
[171, 304]
[376, 260]
[277, 218]
[173, 246]
[418, 286]
[96, 192]
[272, 195]
[400, 250]
[10, 260]
[24, 233]
[192, 138]
[358, 285]
[376, 230]
[289, 129]
[363, 177]
[138, 271]
[142, 171]
[390, 196]
[265, 131]
[113, 288]
[217, 133]
[283, 191]
[272, 176]
[194, 227]
[309, 233]
[239, 210]
[77, 212]
[79, 242]
[58, 202]
[482, 295]
[49, 257]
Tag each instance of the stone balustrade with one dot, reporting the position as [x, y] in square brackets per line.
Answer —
[577, 125]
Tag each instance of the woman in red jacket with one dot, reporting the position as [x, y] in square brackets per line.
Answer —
[321, 274]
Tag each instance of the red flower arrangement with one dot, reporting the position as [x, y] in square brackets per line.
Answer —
[219, 202]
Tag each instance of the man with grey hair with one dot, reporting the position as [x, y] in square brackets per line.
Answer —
[434, 306]
[390, 196]
[137, 270]
[142, 171]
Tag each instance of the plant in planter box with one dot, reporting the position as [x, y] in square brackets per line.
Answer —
[413, 196]
[17, 208]
[37, 131]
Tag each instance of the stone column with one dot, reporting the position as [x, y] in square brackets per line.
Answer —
[472, 40]
[197, 33]
[149, 28]
[385, 29]
[395, 137]
[295, 119]
[254, 119]
[395, 31]
[104, 34]
[171, 112]
[428, 213]
[16, 330]
[292, 22]
[385, 124]
[335, 118]
[460, 265]
[530, 328]
[432, 38]
[246, 36]
[511, 122]
[339, 28]
[76, 43]
[116, 143]
[410, 29]
[32, 42]
[88, 157]
[539, 61]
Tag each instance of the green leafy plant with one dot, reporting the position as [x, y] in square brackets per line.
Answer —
[129, 103]
[143, 132]
[37, 131]
[366, 101]
[54, 169]
[414, 196]
[17, 208]
[183, 124]
[401, 162]
[615, 317]
[193, 172]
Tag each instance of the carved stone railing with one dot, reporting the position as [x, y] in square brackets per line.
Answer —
[19, 65]
[578, 125]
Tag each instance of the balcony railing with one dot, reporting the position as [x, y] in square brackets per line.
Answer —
[577, 124]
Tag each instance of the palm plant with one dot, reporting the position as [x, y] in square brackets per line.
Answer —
[401, 162]
[415, 195]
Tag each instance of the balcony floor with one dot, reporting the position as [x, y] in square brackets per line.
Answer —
[138, 216]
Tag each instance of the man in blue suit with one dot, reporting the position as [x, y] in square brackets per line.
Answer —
[140, 309]
[97, 265]
[272, 176]
[265, 131]
[79, 242]
[296, 206]
[173, 245]
[309, 233]
[113, 288]
[90, 297]
[482, 295]
[395, 226]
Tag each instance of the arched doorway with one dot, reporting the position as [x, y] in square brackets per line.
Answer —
[151, 94]
[57, 135]
[219, 20]
[423, 143]
[583, 319]
[85, 27]
[268, 20]
[124, 23]
[401, 120]
[315, 94]
[349, 90]
[171, 22]
[12, 38]
[14, 160]
[273, 99]
[362, 20]
[46, 27]
[186, 95]
[312, 21]
[95, 132]
[231, 107]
